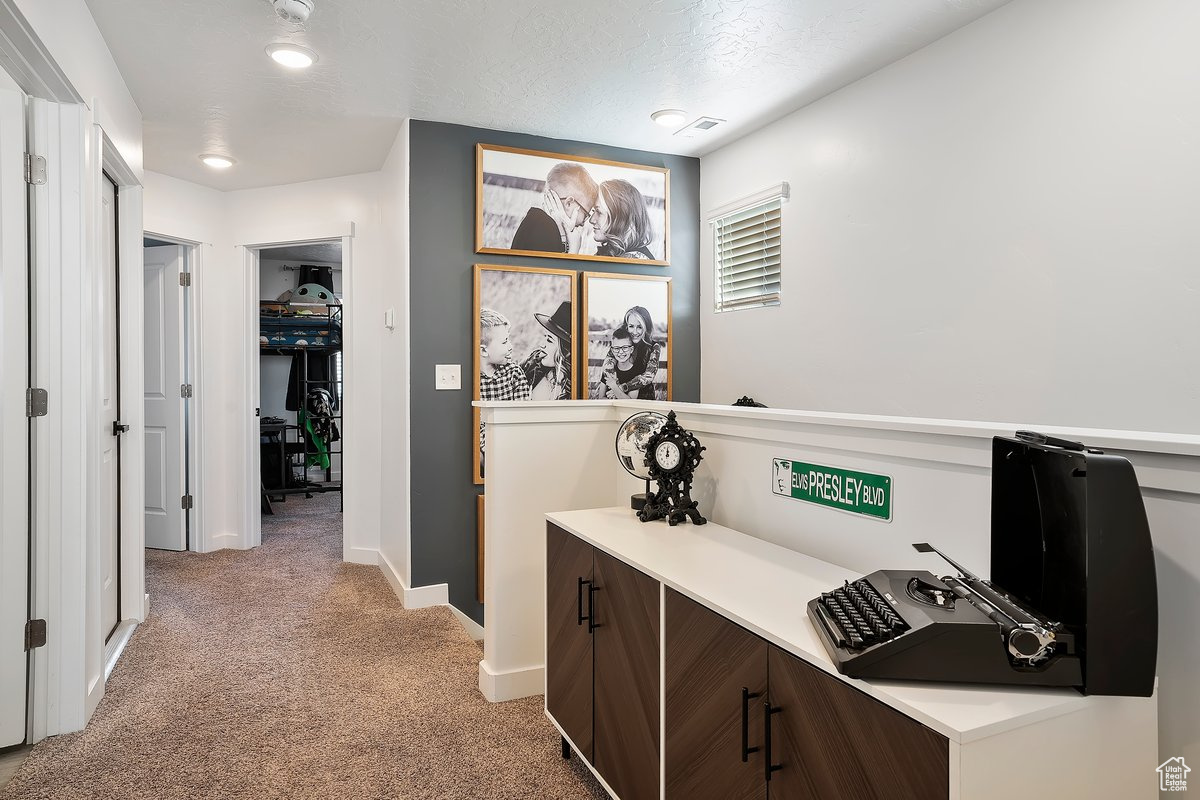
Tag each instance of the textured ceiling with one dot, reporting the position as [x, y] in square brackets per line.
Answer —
[590, 71]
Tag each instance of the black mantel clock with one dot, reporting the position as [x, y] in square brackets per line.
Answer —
[672, 455]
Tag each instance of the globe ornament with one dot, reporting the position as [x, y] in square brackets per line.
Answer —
[632, 437]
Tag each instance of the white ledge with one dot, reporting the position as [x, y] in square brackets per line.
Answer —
[515, 412]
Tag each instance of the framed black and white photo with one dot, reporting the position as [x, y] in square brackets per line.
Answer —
[524, 340]
[546, 204]
[628, 319]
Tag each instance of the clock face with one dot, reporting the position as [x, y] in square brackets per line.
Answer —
[667, 455]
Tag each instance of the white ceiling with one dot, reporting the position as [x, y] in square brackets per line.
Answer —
[572, 70]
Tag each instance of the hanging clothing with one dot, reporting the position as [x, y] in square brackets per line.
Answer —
[320, 376]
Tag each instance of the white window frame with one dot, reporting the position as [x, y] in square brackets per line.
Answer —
[774, 194]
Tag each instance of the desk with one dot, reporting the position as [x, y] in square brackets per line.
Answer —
[999, 742]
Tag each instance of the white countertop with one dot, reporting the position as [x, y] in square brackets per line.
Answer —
[765, 589]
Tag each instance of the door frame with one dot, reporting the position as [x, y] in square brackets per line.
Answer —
[15, 426]
[66, 677]
[133, 600]
[193, 254]
[251, 475]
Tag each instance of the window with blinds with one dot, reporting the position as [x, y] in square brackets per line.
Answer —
[747, 257]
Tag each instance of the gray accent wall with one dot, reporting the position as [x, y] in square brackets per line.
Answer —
[442, 257]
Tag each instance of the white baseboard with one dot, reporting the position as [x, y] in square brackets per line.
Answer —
[146, 607]
[426, 596]
[512, 685]
[416, 596]
[222, 541]
[473, 628]
[116, 645]
[360, 555]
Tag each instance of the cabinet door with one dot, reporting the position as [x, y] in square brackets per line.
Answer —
[627, 679]
[710, 661]
[835, 742]
[568, 640]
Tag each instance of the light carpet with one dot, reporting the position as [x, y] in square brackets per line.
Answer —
[281, 672]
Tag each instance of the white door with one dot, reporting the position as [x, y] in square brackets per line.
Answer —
[14, 425]
[108, 503]
[166, 526]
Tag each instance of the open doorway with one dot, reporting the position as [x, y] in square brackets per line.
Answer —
[301, 324]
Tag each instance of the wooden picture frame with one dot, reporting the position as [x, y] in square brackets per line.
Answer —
[479, 547]
[531, 300]
[608, 300]
[509, 200]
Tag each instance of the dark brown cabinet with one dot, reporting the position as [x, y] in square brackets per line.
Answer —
[602, 662]
[824, 739]
[833, 742]
[626, 678]
[568, 636]
[716, 683]
[744, 720]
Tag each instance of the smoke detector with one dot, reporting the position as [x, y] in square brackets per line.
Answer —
[293, 10]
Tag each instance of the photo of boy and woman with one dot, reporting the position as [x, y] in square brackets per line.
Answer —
[549, 205]
[628, 336]
[524, 335]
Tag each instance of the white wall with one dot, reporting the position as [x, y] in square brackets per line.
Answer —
[230, 221]
[184, 210]
[1000, 226]
[393, 474]
[69, 33]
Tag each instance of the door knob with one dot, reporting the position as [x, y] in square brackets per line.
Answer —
[118, 428]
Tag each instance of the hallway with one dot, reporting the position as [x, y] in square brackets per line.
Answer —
[283, 672]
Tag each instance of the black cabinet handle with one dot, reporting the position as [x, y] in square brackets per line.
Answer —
[591, 617]
[768, 767]
[746, 748]
[579, 601]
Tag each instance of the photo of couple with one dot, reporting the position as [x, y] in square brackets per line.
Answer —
[524, 340]
[628, 331]
[544, 204]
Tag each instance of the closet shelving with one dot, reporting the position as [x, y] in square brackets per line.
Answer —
[306, 466]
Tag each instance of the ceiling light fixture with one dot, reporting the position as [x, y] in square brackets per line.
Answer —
[669, 117]
[217, 162]
[292, 56]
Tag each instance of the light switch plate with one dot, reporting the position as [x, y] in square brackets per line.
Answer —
[447, 376]
[389, 319]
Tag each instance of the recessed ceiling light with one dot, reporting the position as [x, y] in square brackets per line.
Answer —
[217, 162]
[669, 117]
[292, 56]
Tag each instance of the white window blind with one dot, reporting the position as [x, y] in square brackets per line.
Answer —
[747, 256]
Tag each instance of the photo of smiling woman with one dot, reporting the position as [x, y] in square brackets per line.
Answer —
[628, 336]
[552, 205]
[524, 340]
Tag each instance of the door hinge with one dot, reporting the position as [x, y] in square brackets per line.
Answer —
[185, 390]
[35, 634]
[37, 401]
[185, 279]
[186, 502]
[35, 170]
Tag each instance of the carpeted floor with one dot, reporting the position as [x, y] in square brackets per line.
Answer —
[283, 673]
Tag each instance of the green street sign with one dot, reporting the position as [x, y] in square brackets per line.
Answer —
[844, 489]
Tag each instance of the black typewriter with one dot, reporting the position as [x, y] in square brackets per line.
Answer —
[1072, 600]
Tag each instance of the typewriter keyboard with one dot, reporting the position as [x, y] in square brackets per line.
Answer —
[862, 617]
